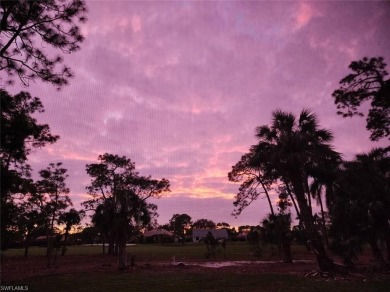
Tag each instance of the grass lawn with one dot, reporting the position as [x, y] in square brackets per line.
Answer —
[99, 272]
[193, 281]
[188, 252]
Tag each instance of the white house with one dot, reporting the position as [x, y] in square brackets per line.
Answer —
[198, 235]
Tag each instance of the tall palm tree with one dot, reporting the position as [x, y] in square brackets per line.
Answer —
[293, 147]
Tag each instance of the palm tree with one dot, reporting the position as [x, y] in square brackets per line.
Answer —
[103, 220]
[364, 195]
[325, 177]
[70, 218]
[132, 213]
[293, 147]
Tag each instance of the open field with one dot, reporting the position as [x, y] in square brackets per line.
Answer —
[84, 269]
[188, 280]
[187, 252]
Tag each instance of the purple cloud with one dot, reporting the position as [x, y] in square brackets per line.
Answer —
[180, 86]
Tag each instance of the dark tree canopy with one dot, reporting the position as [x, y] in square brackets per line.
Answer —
[20, 132]
[362, 197]
[115, 173]
[70, 218]
[119, 198]
[29, 28]
[256, 178]
[204, 224]
[223, 225]
[293, 147]
[52, 190]
[367, 82]
[179, 222]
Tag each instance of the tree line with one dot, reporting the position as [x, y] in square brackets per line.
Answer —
[118, 192]
[295, 159]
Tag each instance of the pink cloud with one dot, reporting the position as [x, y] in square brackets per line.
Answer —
[179, 88]
[304, 15]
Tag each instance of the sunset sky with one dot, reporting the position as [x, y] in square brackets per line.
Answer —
[179, 87]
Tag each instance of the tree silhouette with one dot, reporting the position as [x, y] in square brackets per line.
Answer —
[20, 133]
[70, 218]
[293, 147]
[133, 213]
[103, 219]
[366, 83]
[211, 245]
[203, 224]
[324, 182]
[29, 221]
[223, 225]
[255, 177]
[122, 192]
[52, 190]
[255, 236]
[362, 197]
[178, 223]
[28, 27]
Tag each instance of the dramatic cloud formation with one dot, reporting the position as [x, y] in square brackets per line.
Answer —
[179, 87]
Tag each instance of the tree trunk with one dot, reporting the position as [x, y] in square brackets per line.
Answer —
[292, 200]
[116, 248]
[48, 247]
[122, 265]
[376, 252]
[26, 244]
[65, 242]
[121, 245]
[286, 248]
[268, 198]
[110, 243]
[324, 231]
[49, 250]
[324, 262]
[387, 240]
[309, 202]
[51, 233]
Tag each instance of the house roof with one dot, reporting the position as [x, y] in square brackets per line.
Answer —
[214, 232]
[157, 232]
[42, 237]
[243, 234]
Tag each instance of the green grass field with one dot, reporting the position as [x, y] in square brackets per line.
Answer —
[188, 252]
[187, 279]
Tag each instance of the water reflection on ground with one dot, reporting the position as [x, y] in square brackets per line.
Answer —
[233, 263]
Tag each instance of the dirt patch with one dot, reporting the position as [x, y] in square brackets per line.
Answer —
[18, 268]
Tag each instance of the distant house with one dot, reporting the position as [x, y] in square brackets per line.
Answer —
[39, 241]
[242, 235]
[158, 235]
[199, 235]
